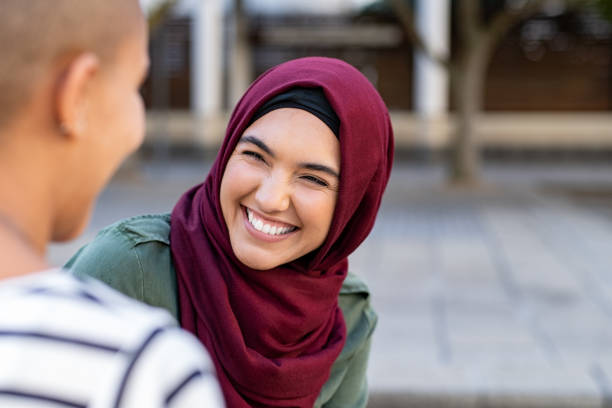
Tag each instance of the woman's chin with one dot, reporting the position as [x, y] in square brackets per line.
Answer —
[257, 259]
[258, 265]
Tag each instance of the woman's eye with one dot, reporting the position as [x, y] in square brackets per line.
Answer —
[254, 155]
[316, 180]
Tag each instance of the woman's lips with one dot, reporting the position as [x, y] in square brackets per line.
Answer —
[264, 229]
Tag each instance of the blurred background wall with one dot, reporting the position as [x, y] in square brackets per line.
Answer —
[546, 85]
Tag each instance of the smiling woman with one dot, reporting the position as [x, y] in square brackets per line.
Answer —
[254, 260]
[277, 206]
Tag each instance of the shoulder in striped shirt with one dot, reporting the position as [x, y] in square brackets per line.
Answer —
[73, 343]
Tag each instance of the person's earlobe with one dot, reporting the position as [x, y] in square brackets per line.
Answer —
[71, 94]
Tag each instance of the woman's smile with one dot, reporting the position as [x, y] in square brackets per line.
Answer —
[265, 229]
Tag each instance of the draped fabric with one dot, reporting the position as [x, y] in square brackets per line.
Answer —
[274, 335]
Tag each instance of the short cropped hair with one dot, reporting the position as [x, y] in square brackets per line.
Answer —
[35, 34]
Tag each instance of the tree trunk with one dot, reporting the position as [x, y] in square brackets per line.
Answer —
[468, 70]
[468, 79]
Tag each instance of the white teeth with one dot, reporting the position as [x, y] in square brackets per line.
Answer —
[266, 228]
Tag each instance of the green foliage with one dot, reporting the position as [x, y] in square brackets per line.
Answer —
[159, 14]
[605, 8]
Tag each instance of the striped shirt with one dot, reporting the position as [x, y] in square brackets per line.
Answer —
[71, 343]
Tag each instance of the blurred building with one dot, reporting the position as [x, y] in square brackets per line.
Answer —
[555, 62]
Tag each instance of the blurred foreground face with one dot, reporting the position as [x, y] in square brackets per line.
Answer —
[280, 187]
[113, 127]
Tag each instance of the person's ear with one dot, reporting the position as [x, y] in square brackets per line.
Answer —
[71, 94]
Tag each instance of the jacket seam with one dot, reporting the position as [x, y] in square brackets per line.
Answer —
[123, 228]
[141, 270]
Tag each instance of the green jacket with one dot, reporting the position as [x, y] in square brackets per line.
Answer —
[133, 256]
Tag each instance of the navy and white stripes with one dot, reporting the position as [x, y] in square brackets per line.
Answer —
[69, 343]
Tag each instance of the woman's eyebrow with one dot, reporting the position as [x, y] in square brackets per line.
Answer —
[257, 142]
[310, 166]
[320, 167]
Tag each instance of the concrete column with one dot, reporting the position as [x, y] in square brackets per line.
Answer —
[207, 58]
[241, 64]
[431, 81]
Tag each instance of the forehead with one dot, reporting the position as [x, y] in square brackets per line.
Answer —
[296, 132]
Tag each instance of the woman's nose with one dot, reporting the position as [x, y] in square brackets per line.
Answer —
[273, 194]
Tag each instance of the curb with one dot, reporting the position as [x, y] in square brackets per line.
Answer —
[394, 399]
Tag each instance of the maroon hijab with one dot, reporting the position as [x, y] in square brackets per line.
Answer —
[274, 335]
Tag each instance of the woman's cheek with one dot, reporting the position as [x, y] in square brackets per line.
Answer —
[315, 206]
[241, 177]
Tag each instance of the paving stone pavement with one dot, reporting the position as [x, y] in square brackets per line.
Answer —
[493, 297]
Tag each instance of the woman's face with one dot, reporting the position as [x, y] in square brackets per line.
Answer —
[280, 187]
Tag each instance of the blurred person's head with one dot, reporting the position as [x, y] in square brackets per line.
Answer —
[70, 73]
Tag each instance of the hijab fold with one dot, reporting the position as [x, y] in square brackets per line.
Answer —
[274, 335]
